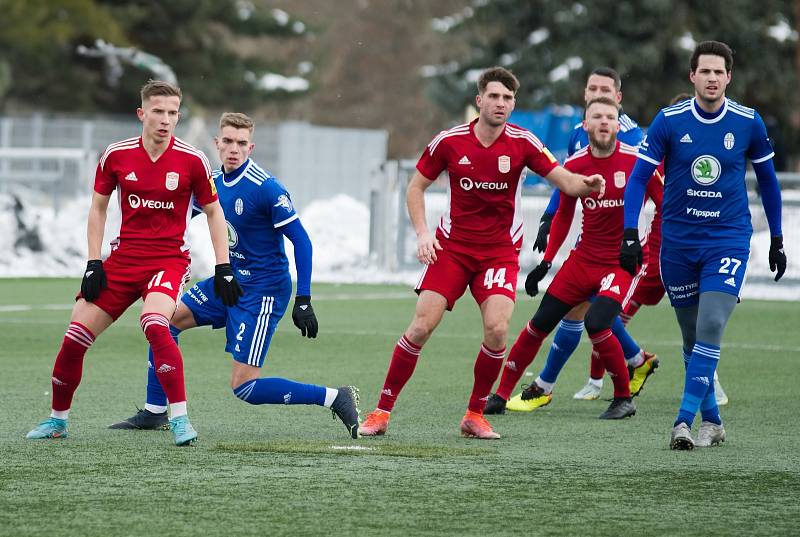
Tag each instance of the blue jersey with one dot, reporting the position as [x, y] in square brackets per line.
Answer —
[256, 207]
[705, 198]
[629, 133]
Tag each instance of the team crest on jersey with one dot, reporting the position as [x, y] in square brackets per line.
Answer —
[238, 206]
[172, 180]
[619, 179]
[233, 237]
[728, 141]
[285, 202]
[705, 170]
[504, 163]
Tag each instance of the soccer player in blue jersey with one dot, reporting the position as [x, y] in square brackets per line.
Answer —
[259, 213]
[705, 143]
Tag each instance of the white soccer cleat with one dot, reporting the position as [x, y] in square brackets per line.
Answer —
[590, 392]
[710, 434]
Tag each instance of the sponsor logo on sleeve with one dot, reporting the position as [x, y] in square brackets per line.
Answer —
[285, 202]
[213, 186]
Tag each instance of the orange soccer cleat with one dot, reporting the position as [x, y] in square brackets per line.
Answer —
[376, 423]
[474, 425]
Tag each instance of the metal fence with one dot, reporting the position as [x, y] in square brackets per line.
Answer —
[50, 154]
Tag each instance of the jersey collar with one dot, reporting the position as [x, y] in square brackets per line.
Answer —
[701, 117]
[230, 179]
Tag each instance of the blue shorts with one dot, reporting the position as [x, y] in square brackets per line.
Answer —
[249, 325]
[687, 272]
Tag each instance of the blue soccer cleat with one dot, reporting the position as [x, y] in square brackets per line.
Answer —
[49, 428]
[182, 430]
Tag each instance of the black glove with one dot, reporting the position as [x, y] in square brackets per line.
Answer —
[94, 279]
[303, 316]
[535, 276]
[777, 257]
[225, 285]
[630, 253]
[544, 230]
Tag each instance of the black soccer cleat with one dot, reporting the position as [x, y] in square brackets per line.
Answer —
[620, 407]
[345, 407]
[144, 420]
[531, 391]
[495, 405]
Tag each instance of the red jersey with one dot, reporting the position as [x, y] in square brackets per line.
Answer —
[603, 219]
[155, 198]
[485, 185]
[651, 245]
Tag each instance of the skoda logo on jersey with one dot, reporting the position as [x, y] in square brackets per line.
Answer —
[728, 141]
[233, 237]
[238, 206]
[504, 163]
[706, 170]
[172, 180]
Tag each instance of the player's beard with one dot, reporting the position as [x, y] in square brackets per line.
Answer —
[604, 146]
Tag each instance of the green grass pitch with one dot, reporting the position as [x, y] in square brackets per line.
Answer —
[293, 470]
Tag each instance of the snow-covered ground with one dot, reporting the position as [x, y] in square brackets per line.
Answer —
[38, 242]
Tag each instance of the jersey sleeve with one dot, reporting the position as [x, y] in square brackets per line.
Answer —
[539, 159]
[655, 187]
[434, 159]
[653, 147]
[104, 181]
[573, 137]
[632, 137]
[203, 187]
[278, 203]
[559, 229]
[760, 149]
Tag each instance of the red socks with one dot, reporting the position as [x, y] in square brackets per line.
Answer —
[401, 367]
[68, 369]
[487, 367]
[167, 358]
[521, 356]
[610, 351]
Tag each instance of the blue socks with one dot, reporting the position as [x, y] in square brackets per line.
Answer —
[564, 344]
[629, 346]
[280, 391]
[698, 391]
[155, 393]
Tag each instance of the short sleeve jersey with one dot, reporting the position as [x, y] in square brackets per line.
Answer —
[485, 186]
[705, 198]
[629, 133]
[155, 198]
[256, 207]
[603, 217]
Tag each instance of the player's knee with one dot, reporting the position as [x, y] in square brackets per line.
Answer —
[420, 330]
[601, 315]
[550, 313]
[710, 328]
[495, 333]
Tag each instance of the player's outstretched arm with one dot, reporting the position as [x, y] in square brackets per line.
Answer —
[94, 278]
[427, 244]
[303, 315]
[576, 185]
[225, 285]
[771, 200]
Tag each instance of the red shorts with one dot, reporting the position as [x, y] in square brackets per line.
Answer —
[580, 279]
[131, 278]
[452, 272]
[650, 289]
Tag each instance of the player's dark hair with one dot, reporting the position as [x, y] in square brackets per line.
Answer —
[155, 88]
[601, 100]
[713, 48]
[680, 98]
[237, 120]
[498, 74]
[608, 72]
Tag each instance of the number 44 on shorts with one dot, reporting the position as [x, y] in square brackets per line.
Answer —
[497, 277]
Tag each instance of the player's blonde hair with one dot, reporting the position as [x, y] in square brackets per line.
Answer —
[155, 88]
[237, 120]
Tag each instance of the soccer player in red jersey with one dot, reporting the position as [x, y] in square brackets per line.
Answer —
[592, 268]
[155, 176]
[478, 239]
